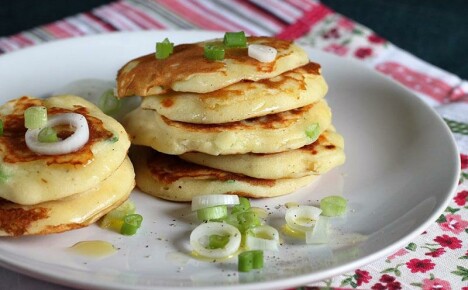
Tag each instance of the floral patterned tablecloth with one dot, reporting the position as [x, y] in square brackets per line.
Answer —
[438, 258]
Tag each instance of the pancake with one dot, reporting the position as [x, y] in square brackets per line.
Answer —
[272, 133]
[29, 178]
[73, 212]
[187, 70]
[243, 100]
[316, 158]
[169, 177]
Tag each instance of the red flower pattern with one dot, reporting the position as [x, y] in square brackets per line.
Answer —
[336, 49]
[374, 38]
[363, 52]
[448, 241]
[332, 33]
[436, 253]
[454, 224]
[436, 284]
[416, 265]
[362, 277]
[461, 198]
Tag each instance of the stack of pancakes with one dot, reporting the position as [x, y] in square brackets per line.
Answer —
[235, 126]
[44, 194]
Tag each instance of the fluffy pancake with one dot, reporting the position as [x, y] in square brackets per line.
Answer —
[243, 100]
[29, 178]
[169, 177]
[76, 211]
[316, 158]
[187, 70]
[272, 133]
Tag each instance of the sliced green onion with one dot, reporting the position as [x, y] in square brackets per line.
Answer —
[235, 39]
[262, 237]
[199, 240]
[3, 175]
[249, 260]
[109, 103]
[312, 131]
[210, 200]
[164, 49]
[214, 52]
[35, 117]
[114, 219]
[262, 53]
[47, 135]
[333, 205]
[319, 235]
[1, 127]
[217, 241]
[302, 218]
[131, 223]
[212, 213]
[245, 220]
[244, 204]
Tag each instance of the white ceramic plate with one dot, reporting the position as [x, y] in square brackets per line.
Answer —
[402, 166]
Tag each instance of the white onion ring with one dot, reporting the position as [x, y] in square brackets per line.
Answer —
[319, 235]
[71, 144]
[256, 243]
[205, 230]
[209, 200]
[262, 53]
[303, 217]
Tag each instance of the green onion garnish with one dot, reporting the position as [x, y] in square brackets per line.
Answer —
[212, 213]
[244, 204]
[250, 260]
[109, 103]
[312, 131]
[333, 205]
[3, 175]
[214, 52]
[35, 117]
[47, 135]
[1, 127]
[164, 49]
[235, 39]
[131, 223]
[217, 241]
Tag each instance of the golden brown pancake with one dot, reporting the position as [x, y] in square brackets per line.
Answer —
[30, 178]
[75, 211]
[169, 177]
[187, 70]
[316, 158]
[268, 134]
[243, 100]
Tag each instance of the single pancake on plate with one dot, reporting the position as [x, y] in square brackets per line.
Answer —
[243, 100]
[171, 178]
[268, 134]
[316, 158]
[72, 212]
[27, 177]
[187, 70]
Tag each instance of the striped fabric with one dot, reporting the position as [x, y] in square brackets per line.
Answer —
[314, 25]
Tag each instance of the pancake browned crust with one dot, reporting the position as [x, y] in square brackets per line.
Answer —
[187, 70]
[316, 158]
[29, 178]
[268, 134]
[169, 177]
[76, 211]
[243, 100]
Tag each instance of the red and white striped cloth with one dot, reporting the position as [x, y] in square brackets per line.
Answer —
[436, 259]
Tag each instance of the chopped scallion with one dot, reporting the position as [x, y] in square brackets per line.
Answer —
[250, 260]
[244, 204]
[333, 205]
[214, 52]
[47, 135]
[235, 39]
[35, 117]
[131, 223]
[1, 127]
[313, 131]
[217, 241]
[164, 49]
[212, 213]
[109, 103]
